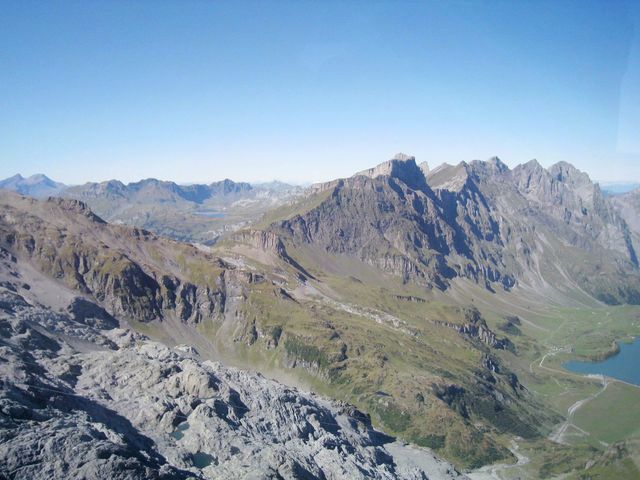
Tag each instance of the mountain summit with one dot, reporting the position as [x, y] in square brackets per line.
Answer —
[37, 185]
[402, 167]
[479, 221]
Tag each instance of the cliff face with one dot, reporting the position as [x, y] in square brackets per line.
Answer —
[568, 196]
[401, 166]
[384, 223]
[475, 328]
[262, 240]
[478, 220]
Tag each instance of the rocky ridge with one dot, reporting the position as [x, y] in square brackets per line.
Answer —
[81, 397]
[475, 327]
[479, 221]
[145, 283]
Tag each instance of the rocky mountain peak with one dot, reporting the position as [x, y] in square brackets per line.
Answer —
[490, 166]
[403, 157]
[115, 184]
[401, 166]
[40, 178]
[532, 165]
[575, 181]
[449, 177]
[567, 173]
[498, 164]
[75, 207]
[532, 178]
[227, 186]
[150, 182]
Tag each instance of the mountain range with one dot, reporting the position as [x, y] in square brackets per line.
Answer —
[196, 212]
[479, 221]
[427, 298]
[38, 185]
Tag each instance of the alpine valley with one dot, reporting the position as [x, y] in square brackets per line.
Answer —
[156, 330]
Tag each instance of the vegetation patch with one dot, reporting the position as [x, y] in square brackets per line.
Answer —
[311, 354]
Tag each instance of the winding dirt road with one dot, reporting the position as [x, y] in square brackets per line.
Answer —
[559, 435]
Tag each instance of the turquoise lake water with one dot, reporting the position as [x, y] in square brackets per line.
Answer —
[623, 366]
[212, 214]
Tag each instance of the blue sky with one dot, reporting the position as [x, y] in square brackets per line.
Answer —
[309, 91]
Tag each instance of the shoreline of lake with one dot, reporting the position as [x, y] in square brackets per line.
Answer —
[621, 366]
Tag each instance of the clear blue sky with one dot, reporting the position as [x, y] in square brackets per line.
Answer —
[308, 91]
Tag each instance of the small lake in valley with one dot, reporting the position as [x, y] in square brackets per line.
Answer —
[625, 365]
[210, 213]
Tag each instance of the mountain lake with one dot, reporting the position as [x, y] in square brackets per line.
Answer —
[625, 365]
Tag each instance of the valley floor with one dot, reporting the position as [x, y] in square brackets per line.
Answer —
[602, 414]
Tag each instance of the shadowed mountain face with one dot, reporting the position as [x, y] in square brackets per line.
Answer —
[38, 185]
[477, 220]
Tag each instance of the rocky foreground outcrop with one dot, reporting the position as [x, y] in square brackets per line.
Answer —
[82, 398]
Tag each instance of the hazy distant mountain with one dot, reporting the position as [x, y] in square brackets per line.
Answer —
[197, 212]
[152, 191]
[617, 188]
[38, 185]
[274, 186]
